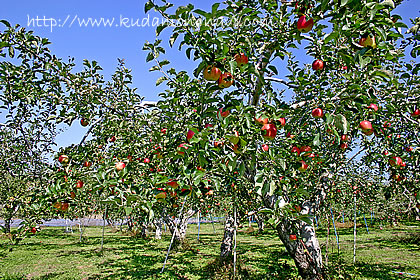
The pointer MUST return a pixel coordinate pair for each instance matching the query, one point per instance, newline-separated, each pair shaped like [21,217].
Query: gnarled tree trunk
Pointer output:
[227,243]
[178,227]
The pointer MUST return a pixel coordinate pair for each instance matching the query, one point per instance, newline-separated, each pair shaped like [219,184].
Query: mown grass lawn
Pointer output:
[53,254]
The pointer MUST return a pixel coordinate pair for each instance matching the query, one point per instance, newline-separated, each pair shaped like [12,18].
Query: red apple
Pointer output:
[262,121]
[368,42]
[344,146]
[212,73]
[223,114]
[345,138]
[120,166]
[33,230]
[64,206]
[305,149]
[282,122]
[146,160]
[190,134]
[84,122]
[374,107]
[270,131]
[163,130]
[318,65]
[207,125]
[366,127]
[72,195]
[265,147]
[63,159]
[225,80]
[173,184]
[241,59]
[218,144]
[416,113]
[182,148]
[395,161]
[79,184]
[292,237]
[409,149]
[303,25]
[112,139]
[317,113]
[303,166]
[87,164]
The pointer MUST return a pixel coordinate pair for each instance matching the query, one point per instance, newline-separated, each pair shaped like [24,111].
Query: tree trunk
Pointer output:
[158,225]
[178,227]
[260,223]
[143,232]
[7,223]
[227,243]
[305,251]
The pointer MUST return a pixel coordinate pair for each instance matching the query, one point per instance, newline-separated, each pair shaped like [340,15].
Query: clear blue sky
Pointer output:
[106,44]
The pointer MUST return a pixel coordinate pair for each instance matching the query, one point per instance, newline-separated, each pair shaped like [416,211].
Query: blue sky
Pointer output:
[106,44]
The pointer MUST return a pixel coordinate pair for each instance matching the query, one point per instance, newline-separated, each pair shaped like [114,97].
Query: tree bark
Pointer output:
[305,251]
[227,243]
[158,225]
[7,223]
[178,226]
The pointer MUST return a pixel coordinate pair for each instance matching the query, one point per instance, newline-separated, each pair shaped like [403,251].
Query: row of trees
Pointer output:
[227,138]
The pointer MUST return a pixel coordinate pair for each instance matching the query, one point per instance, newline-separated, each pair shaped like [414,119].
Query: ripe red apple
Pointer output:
[261,121]
[218,144]
[207,125]
[374,107]
[303,25]
[305,149]
[317,113]
[63,159]
[190,134]
[173,184]
[84,122]
[270,131]
[416,113]
[223,114]
[303,166]
[163,130]
[64,206]
[79,184]
[241,59]
[409,149]
[212,73]
[146,160]
[182,148]
[366,127]
[265,147]
[72,195]
[282,122]
[87,164]
[225,80]
[112,139]
[318,65]
[292,237]
[395,161]
[33,230]
[344,146]
[345,138]
[119,166]
[368,42]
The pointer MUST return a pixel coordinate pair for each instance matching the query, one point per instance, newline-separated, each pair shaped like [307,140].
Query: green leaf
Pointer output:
[173,38]
[282,163]
[148,6]
[150,57]
[341,123]
[161,80]
[128,210]
[273,188]
[154,68]
[317,141]
[329,37]
[11,51]
[5,22]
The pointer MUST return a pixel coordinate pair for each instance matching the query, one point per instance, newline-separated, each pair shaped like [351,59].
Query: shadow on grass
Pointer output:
[368,270]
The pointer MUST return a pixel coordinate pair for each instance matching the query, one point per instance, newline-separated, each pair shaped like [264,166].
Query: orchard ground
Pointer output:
[53,254]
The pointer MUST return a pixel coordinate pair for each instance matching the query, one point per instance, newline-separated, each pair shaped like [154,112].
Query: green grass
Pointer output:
[53,254]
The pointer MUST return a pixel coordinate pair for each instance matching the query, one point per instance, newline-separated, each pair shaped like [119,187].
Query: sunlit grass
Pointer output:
[53,254]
